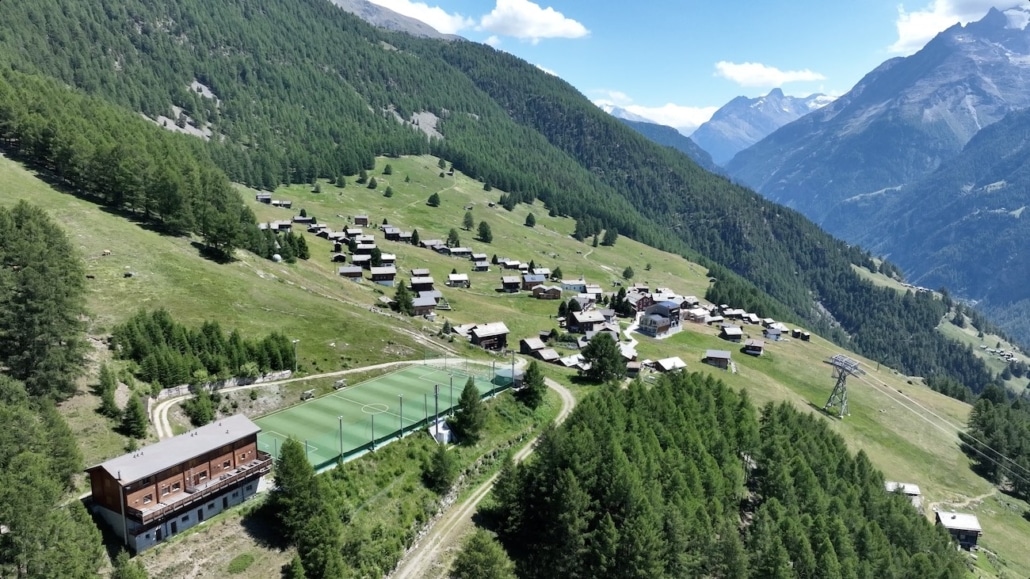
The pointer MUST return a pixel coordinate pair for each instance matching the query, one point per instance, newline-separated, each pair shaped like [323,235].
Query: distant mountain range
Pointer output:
[744,121]
[887,165]
[623,114]
[381,17]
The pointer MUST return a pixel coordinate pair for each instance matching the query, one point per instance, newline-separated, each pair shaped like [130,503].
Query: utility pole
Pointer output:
[451,412]
[843,367]
[400,397]
[295,355]
[436,412]
[340,418]
[373,417]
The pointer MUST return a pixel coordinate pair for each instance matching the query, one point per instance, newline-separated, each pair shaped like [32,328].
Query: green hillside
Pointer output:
[907,430]
[295,91]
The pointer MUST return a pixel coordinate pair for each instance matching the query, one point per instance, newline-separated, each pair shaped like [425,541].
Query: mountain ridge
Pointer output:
[744,121]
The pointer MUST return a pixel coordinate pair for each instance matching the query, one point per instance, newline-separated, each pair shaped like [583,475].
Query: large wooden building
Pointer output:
[165,488]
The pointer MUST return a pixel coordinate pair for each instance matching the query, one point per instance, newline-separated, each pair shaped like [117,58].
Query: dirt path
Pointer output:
[964,503]
[159,414]
[425,559]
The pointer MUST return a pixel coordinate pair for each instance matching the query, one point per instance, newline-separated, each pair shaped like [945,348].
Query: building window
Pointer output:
[227,464]
[148,499]
[250,487]
[185,518]
[236,493]
[164,490]
[176,486]
[202,475]
[210,506]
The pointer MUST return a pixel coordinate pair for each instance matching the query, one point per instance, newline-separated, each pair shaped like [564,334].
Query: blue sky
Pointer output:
[676,61]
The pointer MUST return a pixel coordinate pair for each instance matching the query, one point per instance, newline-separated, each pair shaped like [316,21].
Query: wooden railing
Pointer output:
[262,465]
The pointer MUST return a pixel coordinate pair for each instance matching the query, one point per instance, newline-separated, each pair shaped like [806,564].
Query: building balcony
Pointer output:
[204,490]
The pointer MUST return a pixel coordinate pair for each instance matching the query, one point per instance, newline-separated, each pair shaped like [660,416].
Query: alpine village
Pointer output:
[308,289]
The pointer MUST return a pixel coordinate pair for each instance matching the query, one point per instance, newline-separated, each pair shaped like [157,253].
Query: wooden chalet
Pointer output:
[529,345]
[530,281]
[352,232]
[547,292]
[422,283]
[391,233]
[511,284]
[303,219]
[584,321]
[458,280]
[361,259]
[361,220]
[964,528]
[549,355]
[388,258]
[670,364]
[163,489]
[420,272]
[481,266]
[384,275]
[265,198]
[423,306]
[350,271]
[493,336]
[731,333]
[717,358]
[754,347]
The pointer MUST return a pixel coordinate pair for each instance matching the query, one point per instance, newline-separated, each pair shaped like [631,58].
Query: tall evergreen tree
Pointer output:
[486,235]
[403,301]
[468,222]
[295,497]
[134,418]
[470,420]
[534,386]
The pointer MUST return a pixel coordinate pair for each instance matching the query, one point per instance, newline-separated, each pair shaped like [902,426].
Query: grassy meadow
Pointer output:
[907,430]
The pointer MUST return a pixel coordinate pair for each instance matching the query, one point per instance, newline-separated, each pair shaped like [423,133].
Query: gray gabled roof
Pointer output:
[163,455]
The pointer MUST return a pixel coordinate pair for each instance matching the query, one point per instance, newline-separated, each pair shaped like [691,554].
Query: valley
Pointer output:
[908,431]
[210,304]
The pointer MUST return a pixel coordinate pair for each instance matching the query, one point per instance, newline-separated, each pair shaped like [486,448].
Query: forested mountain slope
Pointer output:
[293,90]
[670,137]
[964,226]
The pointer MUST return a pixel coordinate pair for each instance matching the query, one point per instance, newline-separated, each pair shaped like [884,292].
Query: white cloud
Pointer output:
[762,75]
[434,16]
[681,117]
[526,20]
[918,27]
[493,40]
[547,70]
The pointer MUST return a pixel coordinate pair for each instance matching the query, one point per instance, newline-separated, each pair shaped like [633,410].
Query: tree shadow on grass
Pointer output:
[211,254]
[262,526]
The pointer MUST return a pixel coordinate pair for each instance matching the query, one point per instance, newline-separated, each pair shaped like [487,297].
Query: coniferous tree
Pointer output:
[402,300]
[452,238]
[377,257]
[388,169]
[485,234]
[362,177]
[468,222]
[610,236]
[108,386]
[482,557]
[388,192]
[434,200]
[440,471]
[556,274]
[563,309]
[372,183]
[534,386]
[134,418]
[295,569]
[627,273]
[605,359]
[530,220]
[294,499]
[414,237]
[470,420]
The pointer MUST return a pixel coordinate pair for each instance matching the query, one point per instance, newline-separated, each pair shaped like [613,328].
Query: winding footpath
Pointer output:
[424,556]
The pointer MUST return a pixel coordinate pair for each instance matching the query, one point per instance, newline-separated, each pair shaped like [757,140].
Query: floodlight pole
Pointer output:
[400,398]
[425,407]
[373,417]
[451,411]
[436,411]
[295,355]
[340,418]
[513,369]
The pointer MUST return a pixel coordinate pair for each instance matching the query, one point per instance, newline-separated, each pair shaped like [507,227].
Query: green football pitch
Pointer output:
[352,420]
